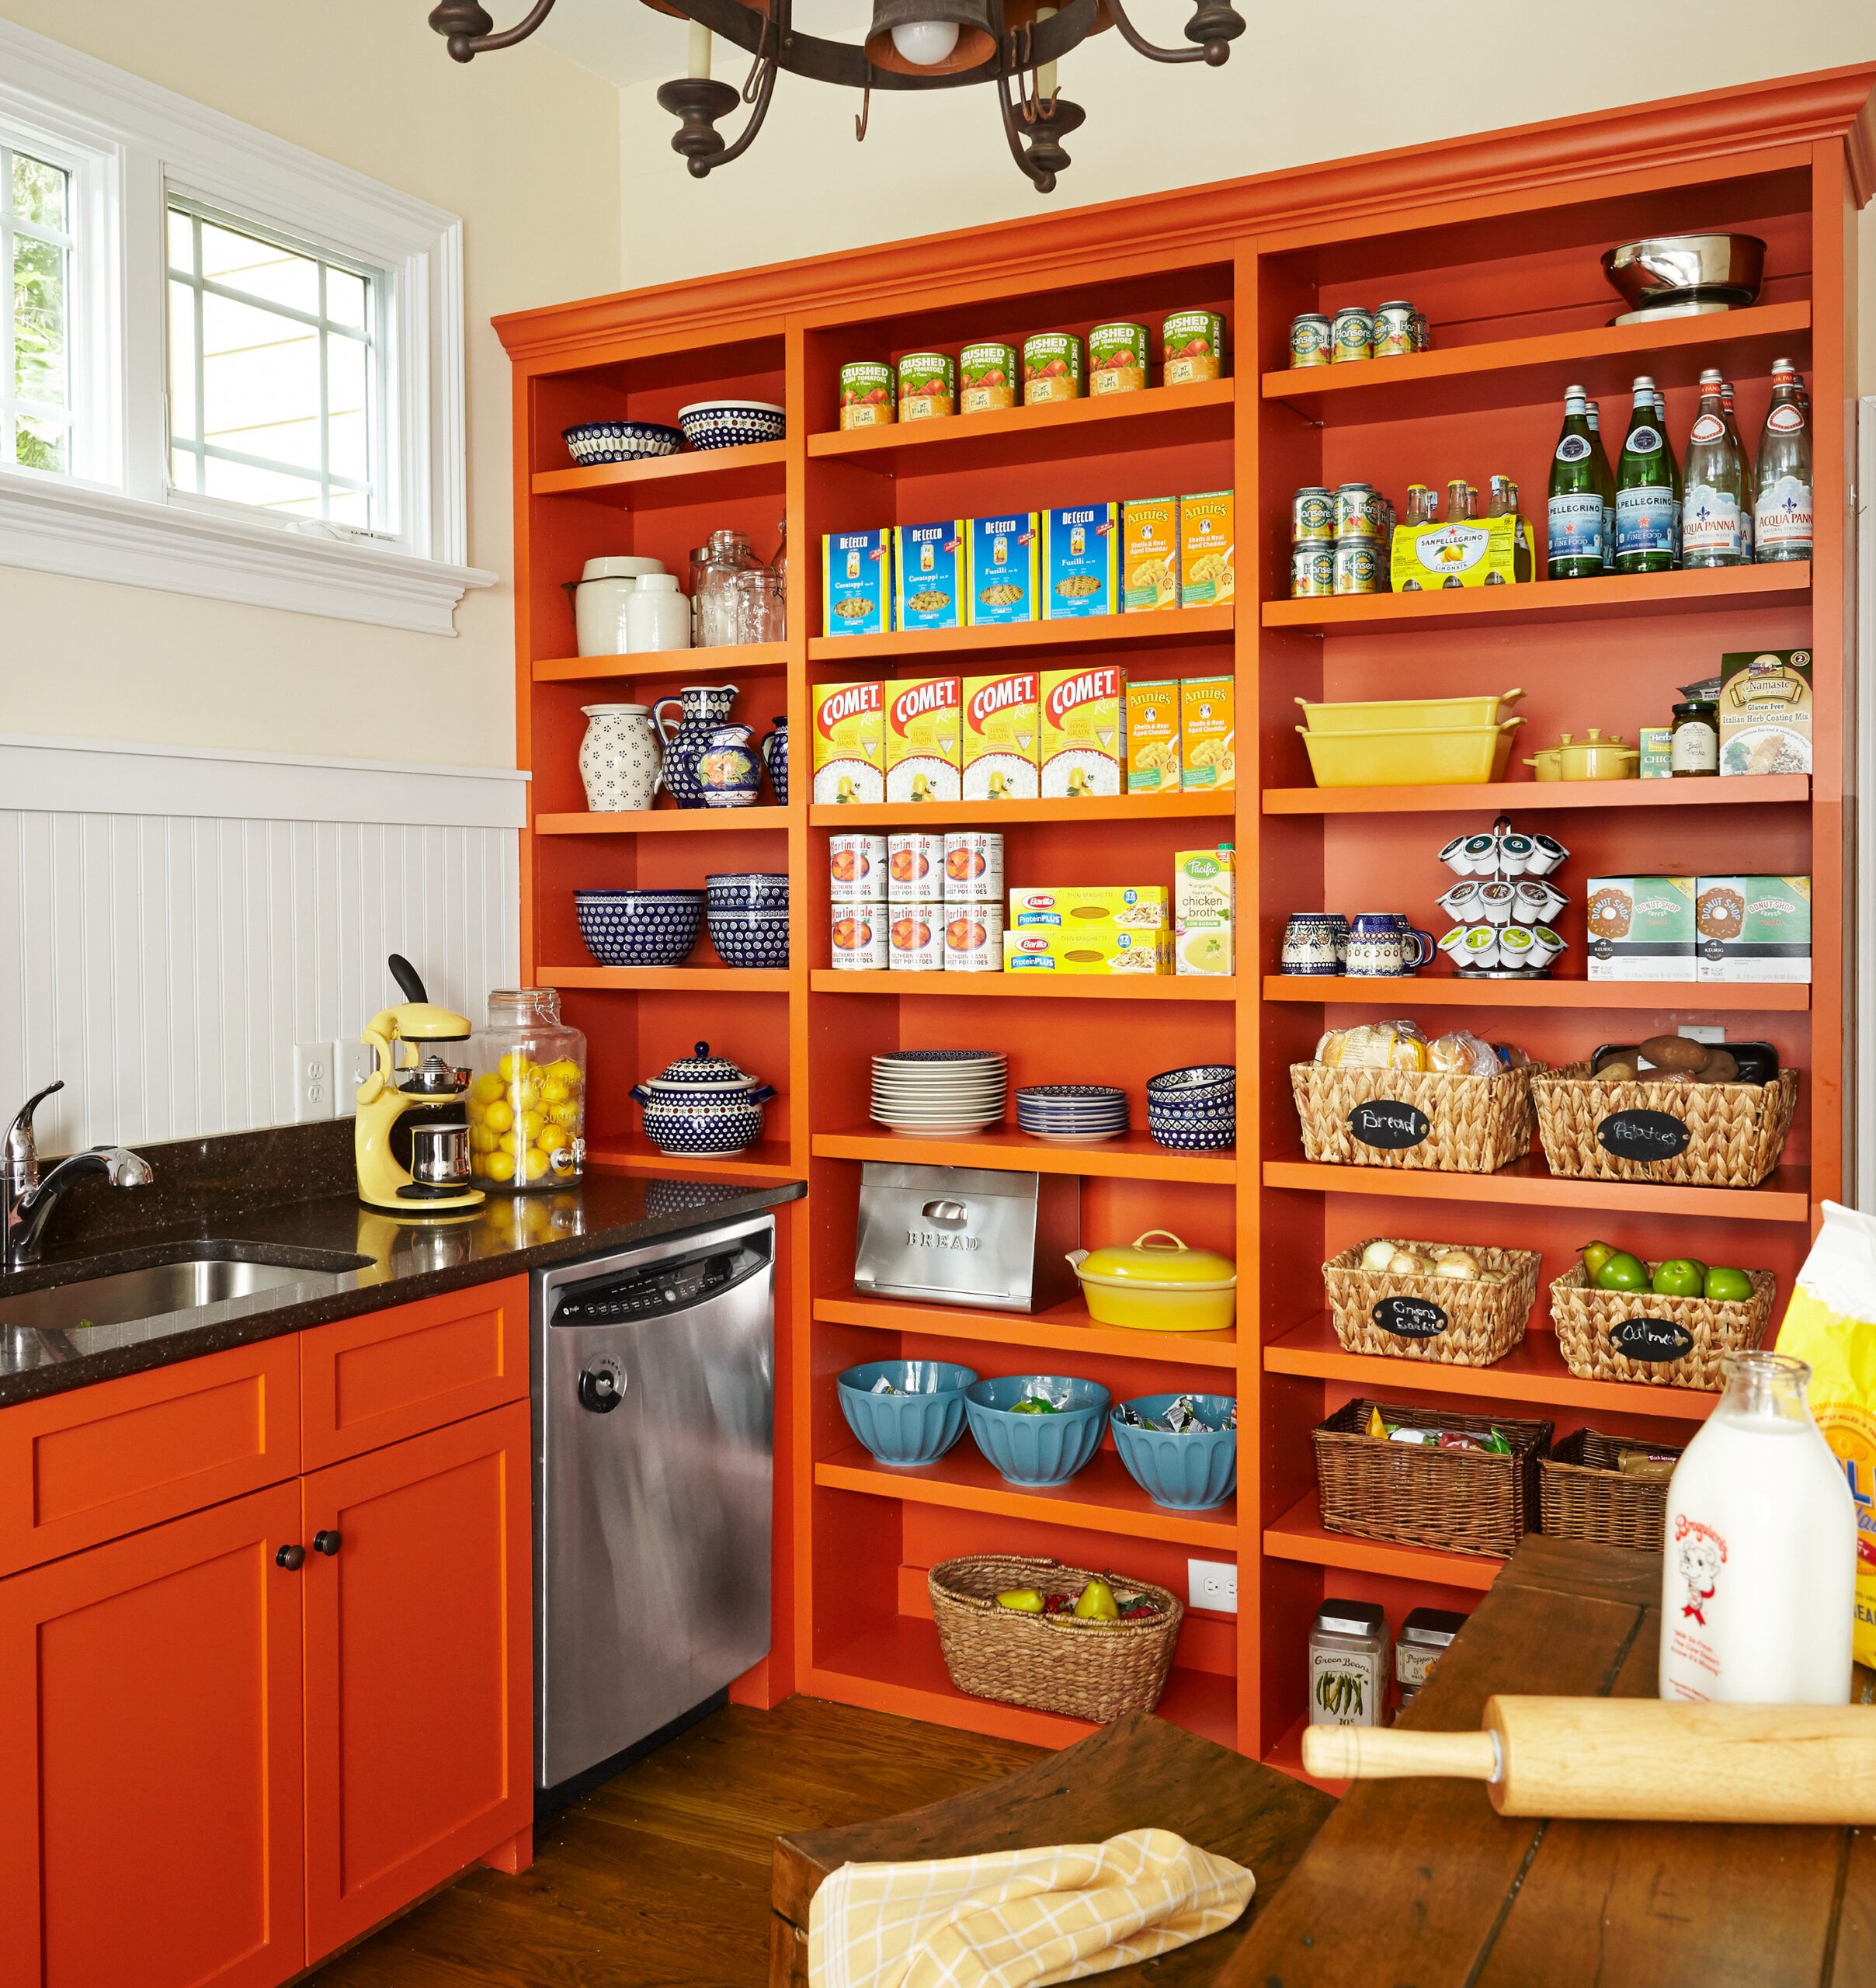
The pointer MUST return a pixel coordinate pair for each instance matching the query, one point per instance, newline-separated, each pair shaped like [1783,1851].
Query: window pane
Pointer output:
[41,442]
[273,489]
[182,243]
[260,382]
[345,298]
[40,191]
[348,424]
[185,469]
[39,321]
[259,268]
[183,414]
[350,507]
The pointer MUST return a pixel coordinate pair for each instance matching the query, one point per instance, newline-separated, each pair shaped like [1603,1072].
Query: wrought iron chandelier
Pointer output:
[912,45]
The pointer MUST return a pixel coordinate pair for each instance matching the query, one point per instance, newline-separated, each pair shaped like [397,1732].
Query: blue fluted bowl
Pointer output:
[620,441]
[749,938]
[748,890]
[732,424]
[1187,1473]
[1038,1449]
[918,1423]
[639,928]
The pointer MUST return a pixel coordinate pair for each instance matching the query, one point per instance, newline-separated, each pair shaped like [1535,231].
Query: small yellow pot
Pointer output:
[1160,1287]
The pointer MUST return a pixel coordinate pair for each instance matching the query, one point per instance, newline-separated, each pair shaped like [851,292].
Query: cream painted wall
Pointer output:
[524,147]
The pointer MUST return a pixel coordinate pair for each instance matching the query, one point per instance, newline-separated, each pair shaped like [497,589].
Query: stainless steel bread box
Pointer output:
[966,1235]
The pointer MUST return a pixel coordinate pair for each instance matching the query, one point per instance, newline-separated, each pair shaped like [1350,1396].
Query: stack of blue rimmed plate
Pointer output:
[1072,1113]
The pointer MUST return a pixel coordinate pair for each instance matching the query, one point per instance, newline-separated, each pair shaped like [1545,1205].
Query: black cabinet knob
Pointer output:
[327,1543]
[292,1558]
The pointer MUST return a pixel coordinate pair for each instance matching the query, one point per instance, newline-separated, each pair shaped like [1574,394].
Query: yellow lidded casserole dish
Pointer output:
[1160,1287]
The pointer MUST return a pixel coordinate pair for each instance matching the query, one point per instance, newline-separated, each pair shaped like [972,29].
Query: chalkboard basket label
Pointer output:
[1654,1342]
[1389,1123]
[1410,1318]
[1643,1136]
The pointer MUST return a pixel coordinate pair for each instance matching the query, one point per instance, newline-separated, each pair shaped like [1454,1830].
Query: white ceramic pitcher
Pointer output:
[619,758]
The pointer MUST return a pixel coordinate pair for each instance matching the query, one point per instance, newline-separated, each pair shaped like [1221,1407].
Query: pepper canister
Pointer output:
[619,758]
[703,1103]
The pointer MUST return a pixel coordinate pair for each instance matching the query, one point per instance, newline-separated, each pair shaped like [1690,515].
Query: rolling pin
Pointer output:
[1633,1759]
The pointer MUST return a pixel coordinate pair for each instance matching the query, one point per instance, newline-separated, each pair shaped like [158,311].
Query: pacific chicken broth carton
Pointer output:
[1205,908]
[1084,733]
[849,743]
[923,743]
[1001,731]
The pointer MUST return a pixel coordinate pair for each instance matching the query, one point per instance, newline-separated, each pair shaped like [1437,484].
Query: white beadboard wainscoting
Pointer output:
[173,921]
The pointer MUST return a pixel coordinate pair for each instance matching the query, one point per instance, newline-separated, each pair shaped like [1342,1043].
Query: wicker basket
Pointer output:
[1452,1123]
[1585,1496]
[1590,1326]
[1462,1501]
[1093,1670]
[1729,1135]
[1456,1321]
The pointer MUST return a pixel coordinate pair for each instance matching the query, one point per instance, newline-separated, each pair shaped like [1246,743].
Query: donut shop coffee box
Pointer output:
[856,582]
[1765,711]
[1081,562]
[1084,733]
[924,741]
[1205,910]
[1001,729]
[849,744]
[1004,564]
[1141,906]
[1152,737]
[1640,928]
[1753,928]
[928,576]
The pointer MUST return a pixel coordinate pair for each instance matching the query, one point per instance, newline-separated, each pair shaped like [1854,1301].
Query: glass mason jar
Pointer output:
[717,611]
[527,1100]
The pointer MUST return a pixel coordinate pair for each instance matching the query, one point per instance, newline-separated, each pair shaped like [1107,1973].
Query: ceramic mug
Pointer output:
[1382,945]
[1314,942]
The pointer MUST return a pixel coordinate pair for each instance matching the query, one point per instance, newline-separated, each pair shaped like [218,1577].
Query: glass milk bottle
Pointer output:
[1758,1594]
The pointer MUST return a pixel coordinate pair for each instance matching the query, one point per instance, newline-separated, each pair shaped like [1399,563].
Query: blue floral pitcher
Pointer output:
[703,711]
[729,773]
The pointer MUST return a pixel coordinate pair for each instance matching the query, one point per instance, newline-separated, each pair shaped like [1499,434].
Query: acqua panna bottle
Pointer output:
[1758,1585]
[1782,510]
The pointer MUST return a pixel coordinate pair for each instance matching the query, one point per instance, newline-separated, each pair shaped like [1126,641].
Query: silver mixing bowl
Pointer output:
[1669,269]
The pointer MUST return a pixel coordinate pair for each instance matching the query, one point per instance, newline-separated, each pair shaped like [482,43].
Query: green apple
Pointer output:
[1679,1276]
[1622,1272]
[1727,1284]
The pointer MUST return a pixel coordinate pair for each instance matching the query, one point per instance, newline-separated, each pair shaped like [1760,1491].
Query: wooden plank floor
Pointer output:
[660,1879]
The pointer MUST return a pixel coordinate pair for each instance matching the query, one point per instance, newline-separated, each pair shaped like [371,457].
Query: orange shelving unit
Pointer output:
[1496,238]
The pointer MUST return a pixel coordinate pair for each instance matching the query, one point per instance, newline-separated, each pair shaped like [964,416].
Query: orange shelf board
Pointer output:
[1206,402]
[1132,1156]
[739,659]
[1449,991]
[1550,600]
[1532,1371]
[1061,1329]
[1514,371]
[691,467]
[661,821]
[1061,986]
[1090,631]
[976,813]
[1299,1534]
[768,1159]
[1530,1184]
[669,979]
[1544,795]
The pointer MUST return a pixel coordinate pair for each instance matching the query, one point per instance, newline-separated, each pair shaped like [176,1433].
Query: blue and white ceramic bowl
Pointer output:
[1188,1472]
[1196,1081]
[639,928]
[919,1420]
[1038,1449]
[732,424]
[749,938]
[747,890]
[1212,1131]
[620,441]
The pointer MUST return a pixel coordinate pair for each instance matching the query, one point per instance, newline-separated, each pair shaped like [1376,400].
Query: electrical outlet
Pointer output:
[353,1061]
[1703,1031]
[1212,1584]
[314,1092]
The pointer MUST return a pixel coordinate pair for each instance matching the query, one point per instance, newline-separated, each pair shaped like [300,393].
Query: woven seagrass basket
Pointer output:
[1464,1501]
[1585,1496]
[1091,1671]
[1729,1135]
[1431,1118]
[1458,1322]
[1592,1327]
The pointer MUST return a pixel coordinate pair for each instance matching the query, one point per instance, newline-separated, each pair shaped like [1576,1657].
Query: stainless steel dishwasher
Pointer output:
[654,1376]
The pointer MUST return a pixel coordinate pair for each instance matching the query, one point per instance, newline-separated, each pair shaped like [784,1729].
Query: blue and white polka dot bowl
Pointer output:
[639,928]
[732,424]
[591,442]
[749,938]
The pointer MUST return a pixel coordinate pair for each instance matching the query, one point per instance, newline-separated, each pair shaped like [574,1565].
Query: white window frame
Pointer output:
[117,518]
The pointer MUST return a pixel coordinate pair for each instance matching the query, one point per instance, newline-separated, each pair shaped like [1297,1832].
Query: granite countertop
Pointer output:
[350,1259]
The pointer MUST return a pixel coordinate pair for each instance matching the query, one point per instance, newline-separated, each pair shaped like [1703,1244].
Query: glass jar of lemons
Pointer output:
[527,1100]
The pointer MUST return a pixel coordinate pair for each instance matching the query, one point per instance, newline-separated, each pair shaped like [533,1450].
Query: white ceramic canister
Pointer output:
[859,936]
[974,866]
[619,758]
[973,936]
[915,868]
[915,937]
[657,615]
[857,869]
[599,599]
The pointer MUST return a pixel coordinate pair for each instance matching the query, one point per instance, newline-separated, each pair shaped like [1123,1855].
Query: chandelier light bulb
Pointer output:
[925,43]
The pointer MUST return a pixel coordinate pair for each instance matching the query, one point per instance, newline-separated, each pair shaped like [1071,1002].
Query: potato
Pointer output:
[1722,1068]
[1676,1052]
[1616,1073]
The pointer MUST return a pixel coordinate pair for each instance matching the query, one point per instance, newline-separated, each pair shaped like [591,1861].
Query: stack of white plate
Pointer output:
[1070,1114]
[939,1093]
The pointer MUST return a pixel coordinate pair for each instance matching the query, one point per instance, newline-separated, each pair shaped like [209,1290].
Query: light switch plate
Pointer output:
[1213,1584]
[315,1091]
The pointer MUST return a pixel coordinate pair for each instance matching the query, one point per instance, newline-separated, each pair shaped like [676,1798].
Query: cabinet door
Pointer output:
[418,1708]
[151,1820]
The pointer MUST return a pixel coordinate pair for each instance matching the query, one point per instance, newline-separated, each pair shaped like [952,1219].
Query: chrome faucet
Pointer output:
[29,1197]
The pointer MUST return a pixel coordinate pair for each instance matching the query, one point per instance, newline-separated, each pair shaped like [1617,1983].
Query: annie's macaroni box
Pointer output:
[1205,908]
[924,746]
[1640,928]
[856,582]
[1753,928]
[1091,948]
[1081,562]
[1004,564]
[1152,737]
[1207,549]
[1207,730]
[1084,731]
[849,743]
[928,576]
[1149,555]
[1002,730]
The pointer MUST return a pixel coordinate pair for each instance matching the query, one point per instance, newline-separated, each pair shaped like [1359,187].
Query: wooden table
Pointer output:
[1421,1882]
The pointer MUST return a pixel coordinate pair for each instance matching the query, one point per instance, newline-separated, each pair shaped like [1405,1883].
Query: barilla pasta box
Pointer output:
[1081,562]
[1001,734]
[1149,555]
[1140,906]
[927,575]
[856,582]
[924,746]
[1091,948]
[1084,733]
[849,743]
[1207,735]
[1152,737]
[1207,549]
[1004,565]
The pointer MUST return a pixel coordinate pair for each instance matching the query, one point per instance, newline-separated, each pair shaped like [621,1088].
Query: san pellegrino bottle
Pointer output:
[1746,464]
[1576,550]
[1644,491]
[1781,504]
[1605,477]
[1712,532]
[1661,422]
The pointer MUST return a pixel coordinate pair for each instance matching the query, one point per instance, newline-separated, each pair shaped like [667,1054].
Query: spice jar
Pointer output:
[1693,749]
[1348,1664]
[1424,1638]
[526,1102]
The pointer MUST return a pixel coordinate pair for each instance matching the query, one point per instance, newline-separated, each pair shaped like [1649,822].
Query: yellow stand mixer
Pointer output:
[405,1080]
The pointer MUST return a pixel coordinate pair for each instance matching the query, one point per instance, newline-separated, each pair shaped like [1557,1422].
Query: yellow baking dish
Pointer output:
[1454,755]
[1160,1287]
[1416,714]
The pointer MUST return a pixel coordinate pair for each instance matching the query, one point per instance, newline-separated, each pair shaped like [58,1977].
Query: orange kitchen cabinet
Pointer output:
[418,1595]
[150,1789]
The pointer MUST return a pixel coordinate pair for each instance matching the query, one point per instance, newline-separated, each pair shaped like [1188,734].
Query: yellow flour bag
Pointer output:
[1831,1325]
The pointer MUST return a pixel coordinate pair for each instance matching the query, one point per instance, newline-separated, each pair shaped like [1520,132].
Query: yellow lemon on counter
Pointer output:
[478,1165]
[514,1063]
[499,1116]
[501,1165]
[485,1090]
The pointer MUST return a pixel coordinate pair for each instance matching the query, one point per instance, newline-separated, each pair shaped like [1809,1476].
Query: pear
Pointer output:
[1026,1601]
[1097,1603]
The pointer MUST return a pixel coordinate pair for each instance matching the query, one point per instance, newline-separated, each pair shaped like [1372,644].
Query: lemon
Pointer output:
[485,1090]
[530,1124]
[478,1164]
[481,1139]
[501,1167]
[553,1138]
[499,1116]
[537,1162]
[525,1093]
[567,1071]
[473,1111]
[567,1114]
[508,1143]
[514,1063]
[553,1090]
